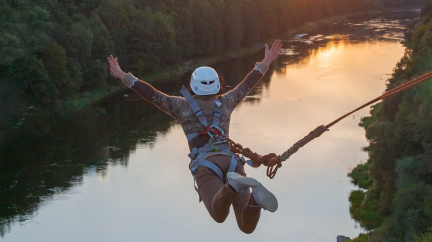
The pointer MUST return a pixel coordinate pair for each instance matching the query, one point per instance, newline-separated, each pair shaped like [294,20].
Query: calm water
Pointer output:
[118,171]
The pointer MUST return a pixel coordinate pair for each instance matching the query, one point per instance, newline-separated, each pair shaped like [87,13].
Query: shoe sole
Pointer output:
[264,198]
[244,180]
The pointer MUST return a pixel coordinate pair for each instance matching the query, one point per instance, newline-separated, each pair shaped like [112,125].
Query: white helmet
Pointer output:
[205,81]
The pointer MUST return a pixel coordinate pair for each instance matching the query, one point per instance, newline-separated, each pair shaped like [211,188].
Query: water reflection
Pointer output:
[42,155]
[389,27]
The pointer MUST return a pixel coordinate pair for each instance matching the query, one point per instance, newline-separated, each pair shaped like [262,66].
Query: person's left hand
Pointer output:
[273,53]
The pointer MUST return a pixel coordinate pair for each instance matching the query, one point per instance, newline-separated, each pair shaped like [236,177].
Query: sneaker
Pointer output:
[241,183]
[264,198]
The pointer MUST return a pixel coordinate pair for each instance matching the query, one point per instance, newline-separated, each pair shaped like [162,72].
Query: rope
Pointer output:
[274,162]
[387,94]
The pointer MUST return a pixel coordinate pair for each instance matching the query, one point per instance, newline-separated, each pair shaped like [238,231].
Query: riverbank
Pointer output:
[176,71]
[109,153]
[311,26]
[393,199]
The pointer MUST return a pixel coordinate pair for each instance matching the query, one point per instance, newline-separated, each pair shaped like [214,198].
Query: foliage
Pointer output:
[364,208]
[400,150]
[60,47]
[423,238]
[360,176]
[361,238]
[54,52]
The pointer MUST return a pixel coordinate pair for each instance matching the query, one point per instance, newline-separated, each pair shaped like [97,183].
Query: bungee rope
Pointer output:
[274,162]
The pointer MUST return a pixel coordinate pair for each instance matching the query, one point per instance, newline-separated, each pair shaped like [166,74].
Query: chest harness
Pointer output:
[217,142]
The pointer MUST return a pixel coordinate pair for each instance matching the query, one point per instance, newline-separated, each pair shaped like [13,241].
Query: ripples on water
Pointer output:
[118,171]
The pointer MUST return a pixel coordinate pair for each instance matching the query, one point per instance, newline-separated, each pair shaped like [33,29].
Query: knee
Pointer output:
[248,230]
[219,218]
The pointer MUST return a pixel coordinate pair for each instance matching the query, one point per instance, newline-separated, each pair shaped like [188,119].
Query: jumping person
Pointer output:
[205,117]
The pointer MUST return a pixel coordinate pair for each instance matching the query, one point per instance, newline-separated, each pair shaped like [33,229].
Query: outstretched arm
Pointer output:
[144,89]
[241,90]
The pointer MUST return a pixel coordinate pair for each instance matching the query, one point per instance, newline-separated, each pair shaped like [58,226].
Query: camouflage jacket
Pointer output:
[180,109]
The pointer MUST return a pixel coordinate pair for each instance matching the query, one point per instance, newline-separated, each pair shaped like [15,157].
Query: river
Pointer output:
[118,171]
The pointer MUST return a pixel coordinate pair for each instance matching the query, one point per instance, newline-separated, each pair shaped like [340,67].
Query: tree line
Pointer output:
[55,50]
[395,199]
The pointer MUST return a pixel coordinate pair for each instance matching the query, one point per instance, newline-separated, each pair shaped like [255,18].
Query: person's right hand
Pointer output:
[115,69]
[273,53]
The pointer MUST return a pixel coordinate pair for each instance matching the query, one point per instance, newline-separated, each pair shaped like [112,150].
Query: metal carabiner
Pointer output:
[217,138]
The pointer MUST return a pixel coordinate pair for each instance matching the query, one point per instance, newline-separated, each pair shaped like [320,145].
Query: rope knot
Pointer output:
[273,163]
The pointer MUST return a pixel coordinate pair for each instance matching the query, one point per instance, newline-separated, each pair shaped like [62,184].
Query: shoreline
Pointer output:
[175,71]
[189,65]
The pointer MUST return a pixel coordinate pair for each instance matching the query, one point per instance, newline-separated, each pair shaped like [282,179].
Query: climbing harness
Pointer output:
[217,143]
[274,162]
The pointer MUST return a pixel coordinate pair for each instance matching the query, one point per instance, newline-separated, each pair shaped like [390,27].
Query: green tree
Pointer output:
[252,31]
[400,150]
[39,85]
[103,44]
[233,25]
[55,62]
[80,43]
[184,36]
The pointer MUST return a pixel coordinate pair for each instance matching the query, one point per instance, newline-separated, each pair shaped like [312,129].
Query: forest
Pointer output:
[394,201]
[55,51]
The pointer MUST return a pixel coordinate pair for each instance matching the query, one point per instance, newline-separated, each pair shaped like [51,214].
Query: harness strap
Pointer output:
[200,161]
[212,167]
[207,148]
[233,164]
[203,162]
[199,155]
[194,105]
[192,136]
[217,112]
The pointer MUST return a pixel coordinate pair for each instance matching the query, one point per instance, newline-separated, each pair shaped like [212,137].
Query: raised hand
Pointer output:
[115,69]
[273,53]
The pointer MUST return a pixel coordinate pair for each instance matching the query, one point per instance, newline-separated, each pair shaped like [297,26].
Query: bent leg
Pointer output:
[246,210]
[217,196]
